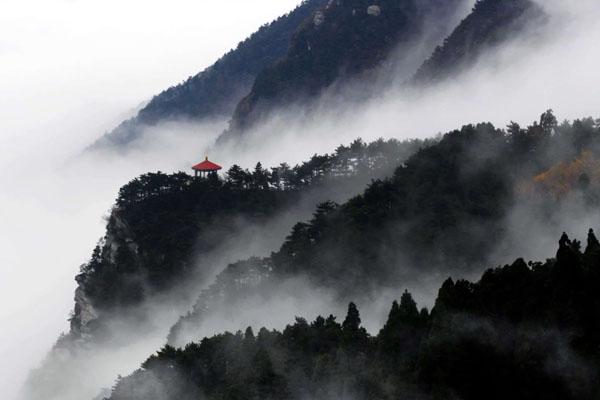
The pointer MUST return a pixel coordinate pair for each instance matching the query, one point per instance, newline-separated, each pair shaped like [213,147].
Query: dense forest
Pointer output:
[215,91]
[441,210]
[524,331]
[162,224]
[444,209]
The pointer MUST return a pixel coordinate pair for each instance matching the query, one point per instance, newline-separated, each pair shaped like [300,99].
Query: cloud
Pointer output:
[68,72]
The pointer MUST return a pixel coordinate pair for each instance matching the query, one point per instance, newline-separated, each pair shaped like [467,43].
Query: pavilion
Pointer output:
[205,168]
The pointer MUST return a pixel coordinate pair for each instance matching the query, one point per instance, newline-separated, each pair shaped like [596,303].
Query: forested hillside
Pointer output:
[163,228]
[341,41]
[215,91]
[490,24]
[445,209]
[524,331]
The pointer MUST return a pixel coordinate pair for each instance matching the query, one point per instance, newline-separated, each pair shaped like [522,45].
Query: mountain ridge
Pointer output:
[489,25]
[214,92]
[296,57]
[345,39]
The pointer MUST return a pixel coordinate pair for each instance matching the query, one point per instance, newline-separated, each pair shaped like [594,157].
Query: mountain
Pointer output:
[169,231]
[447,209]
[214,92]
[331,45]
[490,24]
[351,39]
[346,39]
[168,235]
[523,331]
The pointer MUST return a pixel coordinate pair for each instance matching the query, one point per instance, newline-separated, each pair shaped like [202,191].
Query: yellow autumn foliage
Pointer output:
[564,177]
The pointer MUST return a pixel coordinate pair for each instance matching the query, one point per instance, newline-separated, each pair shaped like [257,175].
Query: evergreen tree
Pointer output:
[249,334]
[236,176]
[548,122]
[352,321]
[260,177]
[354,336]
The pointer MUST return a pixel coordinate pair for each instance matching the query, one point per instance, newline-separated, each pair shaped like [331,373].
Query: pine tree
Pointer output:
[408,307]
[352,321]
[354,336]
[400,337]
[237,176]
[548,122]
[592,242]
[260,177]
[249,334]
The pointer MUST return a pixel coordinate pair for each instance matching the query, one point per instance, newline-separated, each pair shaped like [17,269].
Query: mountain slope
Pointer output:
[490,24]
[441,212]
[347,38]
[170,231]
[215,91]
[166,238]
[524,331]
[446,210]
[322,43]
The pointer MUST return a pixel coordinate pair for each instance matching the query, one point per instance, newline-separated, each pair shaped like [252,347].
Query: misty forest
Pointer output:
[416,257]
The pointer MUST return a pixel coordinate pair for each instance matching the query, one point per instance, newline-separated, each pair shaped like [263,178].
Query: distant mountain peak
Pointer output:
[214,92]
[344,39]
[490,24]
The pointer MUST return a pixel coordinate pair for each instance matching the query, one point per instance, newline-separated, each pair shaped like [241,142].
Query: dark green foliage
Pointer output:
[215,91]
[521,332]
[444,209]
[162,223]
[492,22]
[444,206]
[505,336]
[400,338]
[354,337]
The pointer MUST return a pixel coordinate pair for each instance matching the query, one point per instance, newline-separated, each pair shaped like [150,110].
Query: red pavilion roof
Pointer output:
[206,166]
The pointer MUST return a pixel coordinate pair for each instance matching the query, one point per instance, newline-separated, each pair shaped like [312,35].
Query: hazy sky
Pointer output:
[69,70]
[86,58]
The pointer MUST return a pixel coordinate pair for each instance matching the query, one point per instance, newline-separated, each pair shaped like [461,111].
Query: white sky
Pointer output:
[69,70]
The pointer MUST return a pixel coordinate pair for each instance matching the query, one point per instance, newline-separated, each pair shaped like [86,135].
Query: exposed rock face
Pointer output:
[374,10]
[118,235]
[83,313]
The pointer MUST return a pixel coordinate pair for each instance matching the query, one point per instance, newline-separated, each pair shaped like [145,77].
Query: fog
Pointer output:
[70,70]
[553,68]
